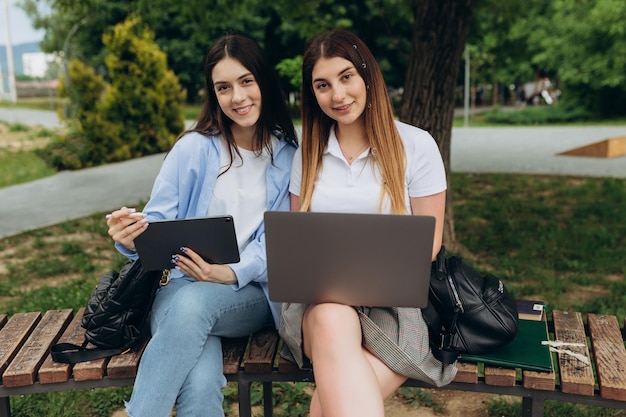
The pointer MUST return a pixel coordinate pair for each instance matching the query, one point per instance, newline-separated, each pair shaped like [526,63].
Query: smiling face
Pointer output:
[339,90]
[237,92]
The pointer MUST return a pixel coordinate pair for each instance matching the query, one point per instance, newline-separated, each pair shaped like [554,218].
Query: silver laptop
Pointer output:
[354,259]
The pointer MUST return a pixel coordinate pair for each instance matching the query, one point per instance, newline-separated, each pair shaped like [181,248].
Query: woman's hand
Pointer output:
[193,265]
[125,225]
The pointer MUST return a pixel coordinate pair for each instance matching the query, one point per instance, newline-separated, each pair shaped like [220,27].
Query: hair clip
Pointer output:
[369,105]
[354,46]
[364,65]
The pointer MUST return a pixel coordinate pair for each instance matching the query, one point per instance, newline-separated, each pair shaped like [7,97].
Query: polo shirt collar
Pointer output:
[333,147]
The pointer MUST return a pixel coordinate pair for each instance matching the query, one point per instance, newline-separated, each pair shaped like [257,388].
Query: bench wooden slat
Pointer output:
[53,372]
[125,365]
[576,376]
[543,381]
[467,373]
[260,357]
[608,349]
[286,366]
[14,334]
[232,353]
[23,369]
[90,370]
[501,377]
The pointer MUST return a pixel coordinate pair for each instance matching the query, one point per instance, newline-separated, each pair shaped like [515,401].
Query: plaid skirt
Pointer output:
[397,336]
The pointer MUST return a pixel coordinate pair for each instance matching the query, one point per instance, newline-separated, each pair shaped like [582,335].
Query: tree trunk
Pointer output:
[440,32]
[495,94]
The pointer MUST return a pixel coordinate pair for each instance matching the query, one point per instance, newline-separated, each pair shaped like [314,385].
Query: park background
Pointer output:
[557,238]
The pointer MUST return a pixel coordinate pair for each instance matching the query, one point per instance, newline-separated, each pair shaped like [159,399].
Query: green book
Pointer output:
[525,351]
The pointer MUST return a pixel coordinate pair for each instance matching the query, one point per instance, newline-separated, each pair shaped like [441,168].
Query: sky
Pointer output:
[21,28]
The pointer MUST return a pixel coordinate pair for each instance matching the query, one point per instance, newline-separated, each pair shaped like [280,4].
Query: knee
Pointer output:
[330,322]
[189,306]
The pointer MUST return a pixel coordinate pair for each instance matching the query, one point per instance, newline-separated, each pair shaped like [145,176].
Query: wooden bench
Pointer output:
[26,366]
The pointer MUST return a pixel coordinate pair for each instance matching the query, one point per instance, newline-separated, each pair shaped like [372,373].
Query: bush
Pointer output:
[145,98]
[538,115]
[139,113]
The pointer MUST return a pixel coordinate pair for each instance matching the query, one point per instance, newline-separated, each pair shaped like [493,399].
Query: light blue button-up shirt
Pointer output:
[184,188]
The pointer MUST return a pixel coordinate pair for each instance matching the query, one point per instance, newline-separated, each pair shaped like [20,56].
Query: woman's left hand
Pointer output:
[197,268]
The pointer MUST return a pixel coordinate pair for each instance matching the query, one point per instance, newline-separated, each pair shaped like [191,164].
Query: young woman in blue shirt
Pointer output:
[235,160]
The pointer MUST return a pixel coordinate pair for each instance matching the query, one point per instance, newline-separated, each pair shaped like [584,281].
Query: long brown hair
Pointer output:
[386,147]
[274,117]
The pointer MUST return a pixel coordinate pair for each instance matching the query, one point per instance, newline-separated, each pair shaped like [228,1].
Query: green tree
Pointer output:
[581,45]
[76,27]
[291,68]
[498,56]
[143,97]
[186,30]
[91,139]
[138,113]
[384,25]
[585,44]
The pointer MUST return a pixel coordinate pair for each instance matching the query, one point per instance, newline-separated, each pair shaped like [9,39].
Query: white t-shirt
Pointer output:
[356,188]
[242,190]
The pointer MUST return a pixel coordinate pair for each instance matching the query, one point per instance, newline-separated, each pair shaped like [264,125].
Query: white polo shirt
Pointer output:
[356,188]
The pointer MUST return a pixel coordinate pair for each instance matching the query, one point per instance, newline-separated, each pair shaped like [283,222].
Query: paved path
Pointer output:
[30,117]
[74,194]
[534,150]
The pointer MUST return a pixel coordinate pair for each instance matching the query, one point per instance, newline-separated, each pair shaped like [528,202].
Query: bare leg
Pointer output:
[350,380]
[388,381]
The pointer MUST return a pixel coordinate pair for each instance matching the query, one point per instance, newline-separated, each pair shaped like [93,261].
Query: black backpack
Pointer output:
[467,312]
[115,315]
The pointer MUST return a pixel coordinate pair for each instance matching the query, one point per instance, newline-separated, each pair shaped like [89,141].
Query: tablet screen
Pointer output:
[213,238]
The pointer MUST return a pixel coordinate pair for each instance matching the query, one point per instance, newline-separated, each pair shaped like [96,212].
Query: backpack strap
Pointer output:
[71,353]
[440,338]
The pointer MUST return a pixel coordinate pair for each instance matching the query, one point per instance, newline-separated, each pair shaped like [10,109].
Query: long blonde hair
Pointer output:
[386,147]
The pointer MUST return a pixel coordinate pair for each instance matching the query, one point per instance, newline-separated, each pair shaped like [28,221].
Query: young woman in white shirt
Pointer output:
[355,157]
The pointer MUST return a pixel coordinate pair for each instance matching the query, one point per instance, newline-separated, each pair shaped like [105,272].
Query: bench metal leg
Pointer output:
[5,407]
[532,407]
[245,405]
[268,400]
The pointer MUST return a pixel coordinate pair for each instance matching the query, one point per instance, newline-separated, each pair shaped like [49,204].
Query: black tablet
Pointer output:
[213,238]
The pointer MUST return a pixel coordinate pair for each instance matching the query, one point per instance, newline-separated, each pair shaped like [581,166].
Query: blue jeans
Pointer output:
[182,364]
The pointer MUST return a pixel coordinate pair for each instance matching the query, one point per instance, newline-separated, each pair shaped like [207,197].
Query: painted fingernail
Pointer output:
[183,249]
[108,216]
